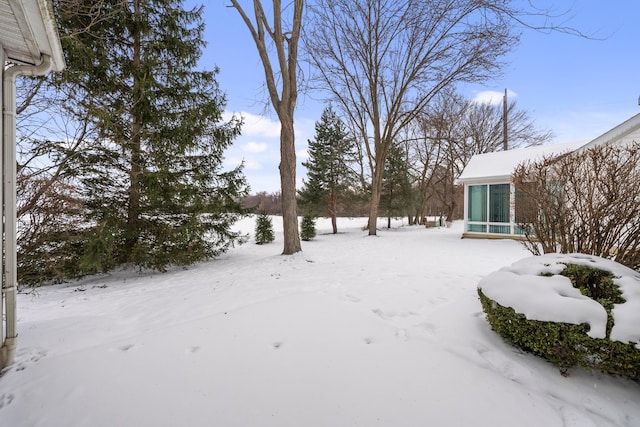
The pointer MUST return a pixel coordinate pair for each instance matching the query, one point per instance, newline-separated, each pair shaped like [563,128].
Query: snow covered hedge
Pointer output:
[571,309]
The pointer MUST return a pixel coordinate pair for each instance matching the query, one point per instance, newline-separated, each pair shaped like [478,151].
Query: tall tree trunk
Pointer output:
[376,186]
[288,186]
[333,209]
[423,208]
[389,208]
[450,211]
[285,44]
[133,213]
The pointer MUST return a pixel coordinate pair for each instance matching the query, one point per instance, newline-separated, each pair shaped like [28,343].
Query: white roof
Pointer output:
[28,31]
[501,164]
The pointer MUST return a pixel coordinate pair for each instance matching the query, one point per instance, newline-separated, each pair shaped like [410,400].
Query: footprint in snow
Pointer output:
[379,313]
[429,328]
[126,347]
[352,298]
[498,362]
[6,399]
[572,417]
[28,356]
[402,334]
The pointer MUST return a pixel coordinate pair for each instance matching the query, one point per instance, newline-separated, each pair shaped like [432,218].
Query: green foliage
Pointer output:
[565,344]
[328,168]
[307,228]
[594,283]
[151,182]
[50,262]
[397,195]
[264,229]
[49,229]
[597,285]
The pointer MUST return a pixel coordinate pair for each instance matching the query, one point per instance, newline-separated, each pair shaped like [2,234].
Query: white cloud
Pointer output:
[492,96]
[255,147]
[256,126]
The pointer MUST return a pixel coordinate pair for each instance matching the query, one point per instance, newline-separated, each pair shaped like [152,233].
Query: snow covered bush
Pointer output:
[264,229]
[307,228]
[571,309]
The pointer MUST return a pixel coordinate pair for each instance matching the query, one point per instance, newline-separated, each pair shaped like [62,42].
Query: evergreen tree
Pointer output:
[264,229]
[329,174]
[307,228]
[397,194]
[152,182]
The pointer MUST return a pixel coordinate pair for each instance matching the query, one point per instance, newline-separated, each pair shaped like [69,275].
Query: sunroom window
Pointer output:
[478,203]
[499,203]
[488,208]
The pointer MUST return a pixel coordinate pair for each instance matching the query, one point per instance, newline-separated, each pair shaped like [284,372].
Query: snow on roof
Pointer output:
[523,287]
[501,164]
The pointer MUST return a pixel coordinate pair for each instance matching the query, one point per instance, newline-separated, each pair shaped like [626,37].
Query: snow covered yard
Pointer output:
[354,331]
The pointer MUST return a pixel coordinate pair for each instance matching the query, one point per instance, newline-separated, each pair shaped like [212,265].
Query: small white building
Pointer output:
[489,193]
[29,45]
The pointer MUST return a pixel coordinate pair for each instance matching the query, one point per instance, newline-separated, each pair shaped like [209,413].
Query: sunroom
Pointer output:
[490,208]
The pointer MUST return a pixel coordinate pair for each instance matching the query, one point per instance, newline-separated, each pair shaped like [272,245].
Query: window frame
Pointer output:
[496,216]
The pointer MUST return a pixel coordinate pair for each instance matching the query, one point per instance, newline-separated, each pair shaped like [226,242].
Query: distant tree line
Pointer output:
[423,163]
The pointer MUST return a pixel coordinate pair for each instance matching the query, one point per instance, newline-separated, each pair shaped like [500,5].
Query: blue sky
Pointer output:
[578,88]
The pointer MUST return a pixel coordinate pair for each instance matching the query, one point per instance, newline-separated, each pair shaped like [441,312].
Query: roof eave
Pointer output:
[486,179]
[37,27]
[51,28]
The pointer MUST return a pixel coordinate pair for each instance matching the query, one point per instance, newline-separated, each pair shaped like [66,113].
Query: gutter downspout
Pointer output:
[10,270]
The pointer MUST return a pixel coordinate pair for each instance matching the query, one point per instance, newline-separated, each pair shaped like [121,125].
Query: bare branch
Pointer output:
[585,202]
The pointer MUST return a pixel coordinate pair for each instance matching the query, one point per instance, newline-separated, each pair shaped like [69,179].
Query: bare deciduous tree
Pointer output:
[383,61]
[438,136]
[483,123]
[584,202]
[449,132]
[48,206]
[283,92]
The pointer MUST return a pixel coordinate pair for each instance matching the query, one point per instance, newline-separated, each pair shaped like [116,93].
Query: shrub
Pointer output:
[264,229]
[583,202]
[307,228]
[566,344]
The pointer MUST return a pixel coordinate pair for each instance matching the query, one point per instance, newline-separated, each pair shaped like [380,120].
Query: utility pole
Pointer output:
[505,141]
